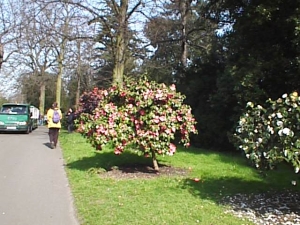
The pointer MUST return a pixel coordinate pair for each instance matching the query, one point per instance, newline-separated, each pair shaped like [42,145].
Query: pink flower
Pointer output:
[117,152]
[172,149]
[168,131]
[156,119]
[173,87]
[179,118]
[159,94]
[162,118]
[105,93]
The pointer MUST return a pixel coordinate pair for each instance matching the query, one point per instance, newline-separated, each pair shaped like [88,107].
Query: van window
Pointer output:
[14,109]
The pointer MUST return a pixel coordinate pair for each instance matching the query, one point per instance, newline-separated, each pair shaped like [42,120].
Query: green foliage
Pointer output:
[271,134]
[143,113]
[210,93]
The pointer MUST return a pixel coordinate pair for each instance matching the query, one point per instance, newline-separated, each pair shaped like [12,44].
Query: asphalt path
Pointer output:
[34,188]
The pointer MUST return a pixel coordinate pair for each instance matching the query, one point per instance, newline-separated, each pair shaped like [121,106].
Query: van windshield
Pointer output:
[13,109]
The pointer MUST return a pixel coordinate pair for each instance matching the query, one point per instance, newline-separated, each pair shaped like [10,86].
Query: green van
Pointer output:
[18,118]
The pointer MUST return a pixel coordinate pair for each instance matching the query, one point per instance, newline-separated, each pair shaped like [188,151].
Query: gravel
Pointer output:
[267,208]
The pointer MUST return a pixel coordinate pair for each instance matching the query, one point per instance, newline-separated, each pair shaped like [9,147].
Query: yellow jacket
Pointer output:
[49,119]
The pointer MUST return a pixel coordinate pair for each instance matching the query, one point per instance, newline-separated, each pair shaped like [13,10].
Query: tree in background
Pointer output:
[179,34]
[113,20]
[10,28]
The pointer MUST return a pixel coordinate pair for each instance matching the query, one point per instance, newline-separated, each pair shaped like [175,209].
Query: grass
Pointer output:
[163,200]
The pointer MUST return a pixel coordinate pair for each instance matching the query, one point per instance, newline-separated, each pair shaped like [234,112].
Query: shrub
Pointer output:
[146,114]
[269,135]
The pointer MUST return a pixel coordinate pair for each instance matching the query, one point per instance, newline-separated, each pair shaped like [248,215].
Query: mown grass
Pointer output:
[162,200]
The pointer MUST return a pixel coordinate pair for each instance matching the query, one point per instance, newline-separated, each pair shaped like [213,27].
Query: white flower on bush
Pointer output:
[250,104]
[266,155]
[239,130]
[270,129]
[287,131]
[242,121]
[279,123]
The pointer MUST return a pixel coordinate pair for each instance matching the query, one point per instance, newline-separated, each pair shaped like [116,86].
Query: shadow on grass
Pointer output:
[109,161]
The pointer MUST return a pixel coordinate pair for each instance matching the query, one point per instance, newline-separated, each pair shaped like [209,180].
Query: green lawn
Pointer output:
[162,200]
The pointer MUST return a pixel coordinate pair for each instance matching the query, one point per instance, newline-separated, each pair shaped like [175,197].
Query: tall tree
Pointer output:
[36,51]
[113,21]
[179,34]
[263,47]
[10,28]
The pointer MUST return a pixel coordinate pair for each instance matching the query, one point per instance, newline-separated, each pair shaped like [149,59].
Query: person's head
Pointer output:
[54,105]
[70,110]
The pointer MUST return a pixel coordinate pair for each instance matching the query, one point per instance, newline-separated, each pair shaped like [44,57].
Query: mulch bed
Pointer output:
[142,171]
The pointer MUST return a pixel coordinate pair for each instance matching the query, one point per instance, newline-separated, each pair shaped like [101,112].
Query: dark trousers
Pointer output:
[53,135]
[70,127]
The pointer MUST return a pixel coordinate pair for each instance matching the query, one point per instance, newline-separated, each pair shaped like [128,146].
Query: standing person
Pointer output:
[54,116]
[70,120]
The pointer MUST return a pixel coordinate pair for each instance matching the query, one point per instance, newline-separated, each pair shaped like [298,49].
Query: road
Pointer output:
[34,188]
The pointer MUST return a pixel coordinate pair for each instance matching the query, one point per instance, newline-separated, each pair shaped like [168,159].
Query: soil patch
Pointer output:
[142,172]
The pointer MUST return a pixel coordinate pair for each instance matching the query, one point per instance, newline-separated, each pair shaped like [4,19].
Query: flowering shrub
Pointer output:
[89,101]
[270,135]
[143,113]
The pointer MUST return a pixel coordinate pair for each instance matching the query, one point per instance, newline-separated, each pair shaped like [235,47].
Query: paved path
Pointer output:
[34,188]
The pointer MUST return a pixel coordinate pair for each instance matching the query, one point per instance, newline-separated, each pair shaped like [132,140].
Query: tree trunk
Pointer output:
[77,92]
[120,47]
[154,160]
[184,8]
[60,59]
[42,98]
[58,83]
[78,72]
[1,54]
